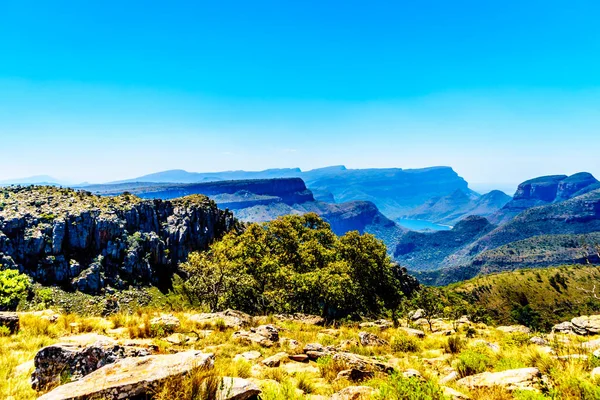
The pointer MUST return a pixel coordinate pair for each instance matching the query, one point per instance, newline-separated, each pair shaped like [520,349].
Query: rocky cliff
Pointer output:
[545,190]
[86,242]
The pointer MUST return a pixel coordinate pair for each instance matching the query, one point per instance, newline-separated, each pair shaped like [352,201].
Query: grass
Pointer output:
[567,379]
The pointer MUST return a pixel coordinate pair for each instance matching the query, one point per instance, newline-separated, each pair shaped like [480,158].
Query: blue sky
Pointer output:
[98,91]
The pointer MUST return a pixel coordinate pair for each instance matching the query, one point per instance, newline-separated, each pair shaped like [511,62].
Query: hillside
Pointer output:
[422,251]
[266,199]
[86,242]
[552,295]
[450,209]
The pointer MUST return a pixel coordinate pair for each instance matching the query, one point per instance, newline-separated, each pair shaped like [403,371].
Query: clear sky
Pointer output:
[500,90]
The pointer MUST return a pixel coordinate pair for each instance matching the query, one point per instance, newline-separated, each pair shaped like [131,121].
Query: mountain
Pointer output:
[394,191]
[545,190]
[34,180]
[266,199]
[181,176]
[450,209]
[552,234]
[86,242]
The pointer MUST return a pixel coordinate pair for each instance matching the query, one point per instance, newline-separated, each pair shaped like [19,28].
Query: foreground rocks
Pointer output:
[584,325]
[78,357]
[264,335]
[514,379]
[229,318]
[132,377]
[10,320]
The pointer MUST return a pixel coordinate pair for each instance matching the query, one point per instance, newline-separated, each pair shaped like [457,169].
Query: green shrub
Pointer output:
[454,345]
[397,387]
[471,362]
[405,343]
[13,287]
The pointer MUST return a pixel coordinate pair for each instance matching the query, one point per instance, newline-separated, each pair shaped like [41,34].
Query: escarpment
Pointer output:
[81,241]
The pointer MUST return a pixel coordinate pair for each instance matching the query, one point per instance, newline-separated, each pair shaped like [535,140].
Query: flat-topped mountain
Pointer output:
[545,190]
[87,242]
[266,199]
[450,209]
[394,191]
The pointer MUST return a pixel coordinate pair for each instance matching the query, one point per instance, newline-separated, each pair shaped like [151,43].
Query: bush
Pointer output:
[396,387]
[294,264]
[454,345]
[13,287]
[405,343]
[471,362]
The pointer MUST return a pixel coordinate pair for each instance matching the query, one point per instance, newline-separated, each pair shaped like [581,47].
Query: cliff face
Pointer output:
[86,242]
[545,190]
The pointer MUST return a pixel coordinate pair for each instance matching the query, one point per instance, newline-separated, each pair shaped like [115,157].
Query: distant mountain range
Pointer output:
[34,180]
[558,222]
[261,200]
[451,209]
[395,191]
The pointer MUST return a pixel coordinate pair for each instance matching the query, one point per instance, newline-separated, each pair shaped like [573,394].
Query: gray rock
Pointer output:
[264,335]
[138,377]
[168,323]
[230,318]
[74,360]
[237,389]
[353,393]
[514,379]
[10,320]
[303,318]
[369,339]
[275,360]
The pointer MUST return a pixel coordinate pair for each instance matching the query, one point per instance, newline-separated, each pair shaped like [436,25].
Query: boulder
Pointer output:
[78,358]
[275,360]
[354,393]
[451,377]
[355,375]
[586,325]
[380,323]
[166,323]
[417,314]
[264,335]
[302,318]
[514,329]
[248,356]
[133,377]
[595,373]
[563,327]
[412,332]
[231,318]
[299,357]
[10,320]
[369,339]
[412,373]
[539,341]
[317,350]
[237,389]
[362,363]
[514,379]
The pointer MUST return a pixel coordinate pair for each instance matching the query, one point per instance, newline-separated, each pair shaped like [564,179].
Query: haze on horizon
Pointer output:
[109,91]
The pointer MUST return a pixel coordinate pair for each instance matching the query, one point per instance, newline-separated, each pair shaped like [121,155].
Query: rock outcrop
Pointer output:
[132,377]
[77,358]
[86,242]
[514,379]
[583,325]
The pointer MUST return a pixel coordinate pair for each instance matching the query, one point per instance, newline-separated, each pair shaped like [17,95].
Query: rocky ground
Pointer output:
[168,356]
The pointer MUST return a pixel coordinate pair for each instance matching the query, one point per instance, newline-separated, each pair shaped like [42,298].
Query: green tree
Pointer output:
[295,264]
[13,286]
[431,301]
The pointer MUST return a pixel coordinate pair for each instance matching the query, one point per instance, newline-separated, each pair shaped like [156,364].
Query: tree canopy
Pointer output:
[295,264]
